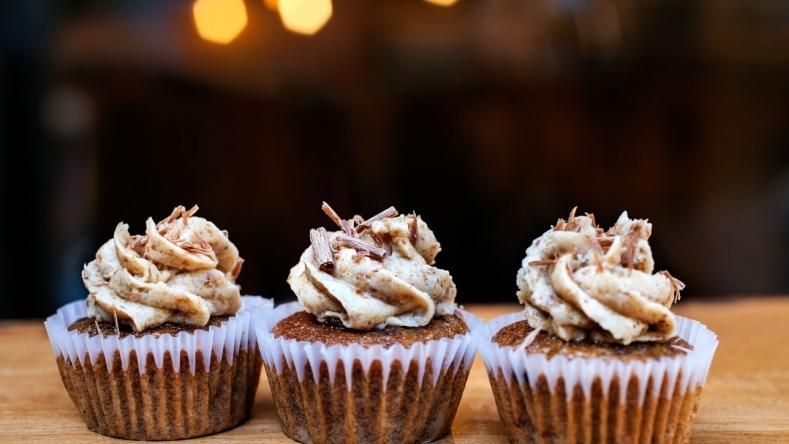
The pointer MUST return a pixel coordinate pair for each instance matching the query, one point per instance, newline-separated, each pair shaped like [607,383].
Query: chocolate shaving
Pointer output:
[322,249]
[117,326]
[236,269]
[572,222]
[631,242]
[374,236]
[361,246]
[198,246]
[591,217]
[597,254]
[179,211]
[605,241]
[357,221]
[541,263]
[529,339]
[598,263]
[413,229]
[137,243]
[389,212]
[676,284]
[186,215]
[344,225]
[173,216]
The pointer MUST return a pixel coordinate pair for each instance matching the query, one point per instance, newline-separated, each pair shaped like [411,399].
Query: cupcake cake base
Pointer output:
[166,384]
[162,403]
[558,392]
[334,385]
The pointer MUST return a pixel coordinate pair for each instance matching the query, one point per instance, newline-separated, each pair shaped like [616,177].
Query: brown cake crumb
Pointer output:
[91,326]
[514,334]
[303,326]
[151,402]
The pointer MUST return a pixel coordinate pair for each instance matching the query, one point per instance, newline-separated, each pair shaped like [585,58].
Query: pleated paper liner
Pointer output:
[160,386]
[591,400]
[353,394]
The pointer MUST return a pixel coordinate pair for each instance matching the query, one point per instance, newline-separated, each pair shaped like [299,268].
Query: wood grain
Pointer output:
[746,398]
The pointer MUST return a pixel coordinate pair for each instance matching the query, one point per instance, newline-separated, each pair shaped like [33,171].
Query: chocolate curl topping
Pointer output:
[630,244]
[568,225]
[676,284]
[179,211]
[542,263]
[389,212]
[376,238]
[413,229]
[322,249]
[344,225]
[605,241]
[361,246]
[597,254]
[236,269]
[137,243]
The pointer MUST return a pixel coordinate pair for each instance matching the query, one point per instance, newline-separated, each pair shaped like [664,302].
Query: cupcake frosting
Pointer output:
[580,282]
[183,270]
[374,273]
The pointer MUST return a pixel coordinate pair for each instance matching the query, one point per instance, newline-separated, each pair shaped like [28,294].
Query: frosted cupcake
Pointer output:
[597,355]
[376,349]
[162,348]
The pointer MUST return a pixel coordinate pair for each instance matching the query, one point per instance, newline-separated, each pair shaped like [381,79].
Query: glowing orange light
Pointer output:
[304,16]
[272,4]
[219,21]
[442,2]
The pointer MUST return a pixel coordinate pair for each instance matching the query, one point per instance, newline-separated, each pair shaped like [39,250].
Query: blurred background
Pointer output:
[491,118]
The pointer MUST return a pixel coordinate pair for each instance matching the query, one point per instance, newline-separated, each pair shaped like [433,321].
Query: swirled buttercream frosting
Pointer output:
[183,270]
[373,273]
[579,282]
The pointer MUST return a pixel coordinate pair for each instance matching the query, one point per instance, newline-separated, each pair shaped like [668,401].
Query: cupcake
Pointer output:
[162,348]
[597,355]
[375,349]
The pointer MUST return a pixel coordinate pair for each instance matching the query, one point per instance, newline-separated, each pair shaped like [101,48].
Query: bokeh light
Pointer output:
[219,21]
[304,16]
[442,2]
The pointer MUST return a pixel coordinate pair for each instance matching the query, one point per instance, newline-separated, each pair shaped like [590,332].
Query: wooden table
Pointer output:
[746,398]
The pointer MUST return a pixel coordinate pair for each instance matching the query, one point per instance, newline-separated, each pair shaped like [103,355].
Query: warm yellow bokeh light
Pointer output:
[220,21]
[304,16]
[442,2]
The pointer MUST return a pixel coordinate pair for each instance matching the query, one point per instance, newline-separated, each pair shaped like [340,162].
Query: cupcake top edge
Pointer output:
[580,282]
[373,273]
[182,270]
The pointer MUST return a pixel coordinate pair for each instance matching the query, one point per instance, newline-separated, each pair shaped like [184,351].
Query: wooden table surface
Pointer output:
[746,398]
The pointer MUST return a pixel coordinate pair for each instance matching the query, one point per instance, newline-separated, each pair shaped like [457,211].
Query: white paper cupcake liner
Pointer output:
[525,368]
[445,353]
[226,339]
[354,394]
[596,399]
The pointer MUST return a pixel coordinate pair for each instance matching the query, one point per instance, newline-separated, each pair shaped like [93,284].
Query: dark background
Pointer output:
[489,118]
